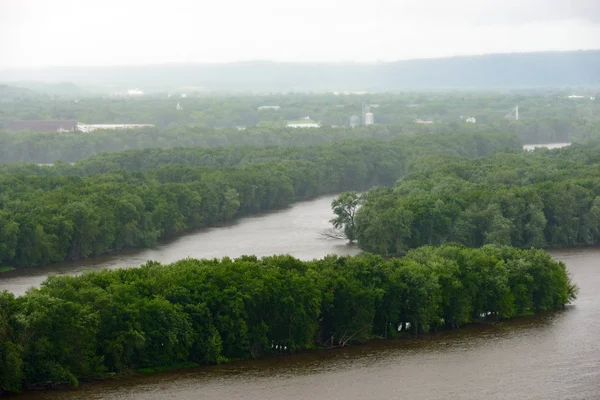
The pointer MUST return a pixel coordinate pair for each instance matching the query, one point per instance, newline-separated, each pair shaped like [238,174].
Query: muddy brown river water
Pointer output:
[553,356]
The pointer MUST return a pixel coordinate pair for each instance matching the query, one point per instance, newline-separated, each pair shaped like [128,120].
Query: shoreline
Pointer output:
[403,339]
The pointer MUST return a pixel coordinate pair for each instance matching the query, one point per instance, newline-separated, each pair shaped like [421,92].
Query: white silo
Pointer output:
[369,118]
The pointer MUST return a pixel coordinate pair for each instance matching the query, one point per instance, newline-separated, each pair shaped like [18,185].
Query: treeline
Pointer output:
[213,121]
[48,148]
[211,311]
[229,111]
[540,199]
[132,199]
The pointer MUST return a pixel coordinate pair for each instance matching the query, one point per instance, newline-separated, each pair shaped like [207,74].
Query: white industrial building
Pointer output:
[303,125]
[94,127]
[135,92]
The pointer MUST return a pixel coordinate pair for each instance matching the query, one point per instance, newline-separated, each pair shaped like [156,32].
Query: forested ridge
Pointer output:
[540,199]
[211,311]
[535,69]
[134,198]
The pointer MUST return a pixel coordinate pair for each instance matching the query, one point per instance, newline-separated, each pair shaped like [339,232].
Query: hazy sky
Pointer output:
[101,32]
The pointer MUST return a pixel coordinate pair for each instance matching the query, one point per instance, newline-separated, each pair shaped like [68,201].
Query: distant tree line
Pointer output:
[132,199]
[210,311]
[540,199]
[213,121]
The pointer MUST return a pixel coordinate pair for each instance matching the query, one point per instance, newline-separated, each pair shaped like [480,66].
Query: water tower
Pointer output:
[369,117]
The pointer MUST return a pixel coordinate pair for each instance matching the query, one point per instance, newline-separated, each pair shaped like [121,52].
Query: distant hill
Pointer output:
[20,90]
[13,93]
[66,89]
[527,70]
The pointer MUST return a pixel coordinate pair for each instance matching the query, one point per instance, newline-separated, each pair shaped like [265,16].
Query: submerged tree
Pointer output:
[344,208]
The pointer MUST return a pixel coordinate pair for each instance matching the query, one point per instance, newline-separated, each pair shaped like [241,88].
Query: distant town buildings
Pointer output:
[471,120]
[578,96]
[303,125]
[135,92]
[420,121]
[276,108]
[129,93]
[348,93]
[61,126]
[94,127]
[305,122]
[178,107]
[45,126]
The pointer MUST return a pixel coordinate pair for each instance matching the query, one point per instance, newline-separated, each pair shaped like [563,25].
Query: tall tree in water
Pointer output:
[344,208]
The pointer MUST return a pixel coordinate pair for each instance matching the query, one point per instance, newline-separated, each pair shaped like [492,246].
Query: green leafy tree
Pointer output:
[344,208]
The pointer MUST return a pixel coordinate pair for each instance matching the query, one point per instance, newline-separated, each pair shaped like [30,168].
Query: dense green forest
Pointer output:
[132,199]
[47,148]
[492,71]
[211,311]
[540,199]
[220,120]
[229,111]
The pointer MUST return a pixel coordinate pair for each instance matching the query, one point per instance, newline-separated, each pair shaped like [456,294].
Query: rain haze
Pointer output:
[40,33]
[299,199]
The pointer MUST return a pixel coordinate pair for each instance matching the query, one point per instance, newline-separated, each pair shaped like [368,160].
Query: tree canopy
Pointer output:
[134,198]
[547,198]
[211,311]
[214,120]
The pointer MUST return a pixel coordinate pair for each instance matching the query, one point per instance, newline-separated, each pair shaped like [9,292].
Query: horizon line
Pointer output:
[271,61]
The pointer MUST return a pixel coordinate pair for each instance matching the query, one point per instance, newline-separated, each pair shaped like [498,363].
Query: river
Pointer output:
[554,356]
[295,230]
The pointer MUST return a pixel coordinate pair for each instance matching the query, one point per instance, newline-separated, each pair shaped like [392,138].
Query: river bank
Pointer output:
[538,357]
[212,311]
[403,340]
[541,356]
[294,230]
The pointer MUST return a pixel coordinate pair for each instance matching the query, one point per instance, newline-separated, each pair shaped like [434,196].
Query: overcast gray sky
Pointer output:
[109,32]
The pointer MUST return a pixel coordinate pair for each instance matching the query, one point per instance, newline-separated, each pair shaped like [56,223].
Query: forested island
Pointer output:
[210,311]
